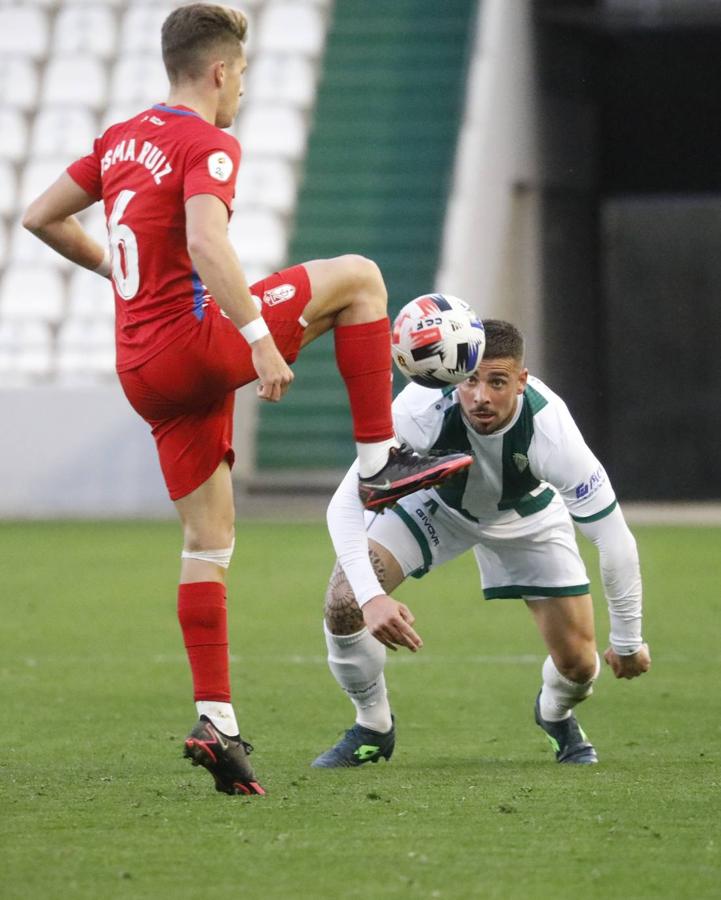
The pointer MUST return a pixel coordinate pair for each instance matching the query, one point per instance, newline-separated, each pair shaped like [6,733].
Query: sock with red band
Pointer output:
[204,622]
[363,354]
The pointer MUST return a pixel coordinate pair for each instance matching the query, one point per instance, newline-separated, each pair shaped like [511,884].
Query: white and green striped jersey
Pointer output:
[519,469]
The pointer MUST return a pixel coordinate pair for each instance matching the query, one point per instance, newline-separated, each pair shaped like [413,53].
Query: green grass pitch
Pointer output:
[97,802]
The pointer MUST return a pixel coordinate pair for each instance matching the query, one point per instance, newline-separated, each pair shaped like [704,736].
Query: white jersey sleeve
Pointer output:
[560,456]
[621,576]
[417,416]
[346,525]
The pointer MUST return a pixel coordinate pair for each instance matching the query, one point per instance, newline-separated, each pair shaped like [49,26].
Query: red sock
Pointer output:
[363,354]
[204,622]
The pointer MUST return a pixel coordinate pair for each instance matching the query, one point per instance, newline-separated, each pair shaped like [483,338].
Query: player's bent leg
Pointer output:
[207,516]
[356,660]
[569,672]
[349,296]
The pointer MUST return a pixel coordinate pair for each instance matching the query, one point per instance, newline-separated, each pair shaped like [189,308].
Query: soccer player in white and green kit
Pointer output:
[533,477]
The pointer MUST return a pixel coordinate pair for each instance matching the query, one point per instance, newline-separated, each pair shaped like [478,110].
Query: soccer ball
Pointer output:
[437,340]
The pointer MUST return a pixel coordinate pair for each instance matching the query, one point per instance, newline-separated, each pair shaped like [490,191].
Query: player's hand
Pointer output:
[629,666]
[274,373]
[390,623]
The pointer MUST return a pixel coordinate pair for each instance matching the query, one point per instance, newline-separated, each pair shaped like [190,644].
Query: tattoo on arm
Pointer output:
[342,613]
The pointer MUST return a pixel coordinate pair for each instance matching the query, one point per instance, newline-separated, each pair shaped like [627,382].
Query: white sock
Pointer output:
[372,457]
[222,715]
[559,694]
[356,661]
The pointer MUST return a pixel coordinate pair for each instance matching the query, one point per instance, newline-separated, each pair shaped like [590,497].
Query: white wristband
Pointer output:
[105,266]
[255,330]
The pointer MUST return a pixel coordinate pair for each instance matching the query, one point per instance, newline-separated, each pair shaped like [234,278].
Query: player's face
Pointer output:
[231,91]
[489,397]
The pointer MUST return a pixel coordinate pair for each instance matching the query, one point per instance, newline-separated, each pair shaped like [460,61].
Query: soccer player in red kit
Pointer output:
[189,331]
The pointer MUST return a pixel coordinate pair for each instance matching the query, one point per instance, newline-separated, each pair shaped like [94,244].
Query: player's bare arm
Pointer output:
[219,268]
[51,217]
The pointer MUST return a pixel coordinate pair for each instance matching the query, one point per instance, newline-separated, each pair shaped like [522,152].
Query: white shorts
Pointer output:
[531,558]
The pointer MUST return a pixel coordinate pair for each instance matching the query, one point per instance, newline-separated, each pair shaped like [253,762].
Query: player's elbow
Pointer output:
[33,218]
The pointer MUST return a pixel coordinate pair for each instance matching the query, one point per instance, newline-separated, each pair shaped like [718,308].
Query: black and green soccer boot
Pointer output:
[567,738]
[359,745]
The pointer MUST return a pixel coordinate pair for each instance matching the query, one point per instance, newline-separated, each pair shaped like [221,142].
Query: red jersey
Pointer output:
[144,170]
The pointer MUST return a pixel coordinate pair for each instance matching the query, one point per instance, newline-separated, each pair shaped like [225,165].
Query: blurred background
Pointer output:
[553,162]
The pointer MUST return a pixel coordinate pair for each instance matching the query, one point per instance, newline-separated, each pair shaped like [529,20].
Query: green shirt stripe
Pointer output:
[599,515]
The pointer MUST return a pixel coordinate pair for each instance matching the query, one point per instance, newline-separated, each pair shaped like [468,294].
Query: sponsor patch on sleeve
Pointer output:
[220,166]
[587,488]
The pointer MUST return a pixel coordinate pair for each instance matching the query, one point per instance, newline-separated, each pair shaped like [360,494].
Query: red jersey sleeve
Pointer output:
[86,173]
[212,169]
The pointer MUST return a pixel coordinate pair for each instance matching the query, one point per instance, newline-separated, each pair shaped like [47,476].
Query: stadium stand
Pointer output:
[377,176]
[69,69]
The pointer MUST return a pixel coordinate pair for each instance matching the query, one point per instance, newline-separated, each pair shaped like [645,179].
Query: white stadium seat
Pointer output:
[23,32]
[13,134]
[291,28]
[275,78]
[8,189]
[84,29]
[63,130]
[266,182]
[107,3]
[18,83]
[272,131]
[86,347]
[90,296]
[93,221]
[140,29]
[25,350]
[75,80]
[3,243]
[139,80]
[25,248]
[38,175]
[120,113]
[31,293]
[259,238]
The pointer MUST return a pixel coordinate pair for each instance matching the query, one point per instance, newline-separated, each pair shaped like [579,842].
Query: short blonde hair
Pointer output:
[192,33]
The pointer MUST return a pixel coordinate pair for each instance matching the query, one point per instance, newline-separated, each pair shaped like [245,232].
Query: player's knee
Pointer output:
[579,664]
[364,284]
[342,613]
[198,538]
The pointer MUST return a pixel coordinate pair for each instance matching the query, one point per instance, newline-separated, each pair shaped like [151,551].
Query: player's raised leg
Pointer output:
[569,672]
[207,516]
[349,296]
[356,660]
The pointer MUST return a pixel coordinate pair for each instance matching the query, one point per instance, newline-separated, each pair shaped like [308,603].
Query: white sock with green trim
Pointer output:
[357,661]
[559,694]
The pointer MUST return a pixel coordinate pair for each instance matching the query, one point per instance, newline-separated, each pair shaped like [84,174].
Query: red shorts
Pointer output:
[186,392]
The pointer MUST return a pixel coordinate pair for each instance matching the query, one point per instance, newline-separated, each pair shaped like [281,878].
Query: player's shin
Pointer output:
[559,694]
[364,360]
[357,661]
[203,620]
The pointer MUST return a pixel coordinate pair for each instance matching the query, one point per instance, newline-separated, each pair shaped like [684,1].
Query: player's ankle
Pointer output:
[373,456]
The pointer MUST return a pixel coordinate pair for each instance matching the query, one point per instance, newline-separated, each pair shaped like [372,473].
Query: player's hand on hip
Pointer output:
[274,373]
[391,623]
[629,666]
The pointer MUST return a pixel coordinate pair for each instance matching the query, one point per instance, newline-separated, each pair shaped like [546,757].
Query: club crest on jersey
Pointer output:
[279,294]
[521,461]
[220,166]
